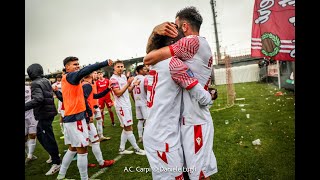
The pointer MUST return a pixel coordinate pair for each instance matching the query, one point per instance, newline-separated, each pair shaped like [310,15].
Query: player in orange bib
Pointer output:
[74,122]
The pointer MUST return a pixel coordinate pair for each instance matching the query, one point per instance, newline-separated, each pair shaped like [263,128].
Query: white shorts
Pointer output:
[59,106]
[124,116]
[30,123]
[141,112]
[197,142]
[62,113]
[97,114]
[93,134]
[76,133]
[165,165]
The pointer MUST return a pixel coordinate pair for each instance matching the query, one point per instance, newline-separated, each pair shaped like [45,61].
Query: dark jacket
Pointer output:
[42,101]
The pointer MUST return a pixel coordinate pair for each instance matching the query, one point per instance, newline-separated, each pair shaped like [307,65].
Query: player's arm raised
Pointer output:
[184,49]
[157,55]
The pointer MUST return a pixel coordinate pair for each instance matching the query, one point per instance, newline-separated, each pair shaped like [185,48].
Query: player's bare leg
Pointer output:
[111,116]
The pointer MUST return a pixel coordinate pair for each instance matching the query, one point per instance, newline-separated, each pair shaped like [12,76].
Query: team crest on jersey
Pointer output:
[198,140]
[190,73]
[27,91]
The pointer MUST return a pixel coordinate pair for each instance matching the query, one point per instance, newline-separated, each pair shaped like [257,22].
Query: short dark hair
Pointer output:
[118,62]
[59,76]
[192,16]
[138,68]
[69,59]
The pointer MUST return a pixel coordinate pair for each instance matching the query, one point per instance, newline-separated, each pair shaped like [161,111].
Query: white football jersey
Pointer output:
[164,95]
[58,84]
[119,82]
[27,94]
[196,53]
[139,93]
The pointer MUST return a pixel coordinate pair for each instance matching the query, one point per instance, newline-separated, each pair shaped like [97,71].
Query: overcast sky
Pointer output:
[119,29]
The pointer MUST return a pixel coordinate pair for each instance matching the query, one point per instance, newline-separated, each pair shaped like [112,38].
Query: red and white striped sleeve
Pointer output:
[181,74]
[185,48]
[114,83]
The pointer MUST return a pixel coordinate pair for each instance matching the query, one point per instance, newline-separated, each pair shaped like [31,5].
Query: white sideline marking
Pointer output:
[239,99]
[104,169]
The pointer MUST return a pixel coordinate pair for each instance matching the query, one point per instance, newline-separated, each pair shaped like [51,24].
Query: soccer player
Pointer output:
[88,86]
[30,128]
[74,122]
[98,115]
[120,86]
[196,121]
[58,85]
[162,132]
[102,84]
[140,98]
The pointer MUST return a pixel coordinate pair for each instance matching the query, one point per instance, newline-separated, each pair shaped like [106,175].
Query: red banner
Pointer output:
[273,29]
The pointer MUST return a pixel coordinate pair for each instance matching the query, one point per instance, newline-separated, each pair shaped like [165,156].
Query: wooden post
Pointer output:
[279,79]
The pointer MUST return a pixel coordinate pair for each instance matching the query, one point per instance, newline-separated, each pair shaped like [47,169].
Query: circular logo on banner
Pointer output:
[270,44]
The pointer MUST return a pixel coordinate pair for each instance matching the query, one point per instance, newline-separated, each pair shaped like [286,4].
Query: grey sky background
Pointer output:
[119,29]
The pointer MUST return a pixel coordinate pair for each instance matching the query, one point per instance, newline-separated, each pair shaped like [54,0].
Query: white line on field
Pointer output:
[104,169]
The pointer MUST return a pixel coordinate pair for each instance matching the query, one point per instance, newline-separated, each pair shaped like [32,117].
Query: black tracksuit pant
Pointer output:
[46,138]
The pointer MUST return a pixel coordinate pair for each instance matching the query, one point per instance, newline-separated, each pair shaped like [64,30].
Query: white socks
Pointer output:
[82,163]
[140,127]
[97,152]
[99,128]
[67,158]
[31,147]
[132,139]
[123,140]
